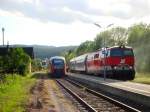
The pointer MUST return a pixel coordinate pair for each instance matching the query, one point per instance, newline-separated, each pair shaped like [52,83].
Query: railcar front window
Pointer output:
[58,62]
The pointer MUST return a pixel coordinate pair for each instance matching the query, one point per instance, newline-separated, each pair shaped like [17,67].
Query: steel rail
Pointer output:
[80,100]
[111,100]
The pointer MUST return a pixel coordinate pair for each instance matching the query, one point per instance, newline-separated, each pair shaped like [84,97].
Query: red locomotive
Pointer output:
[57,66]
[118,62]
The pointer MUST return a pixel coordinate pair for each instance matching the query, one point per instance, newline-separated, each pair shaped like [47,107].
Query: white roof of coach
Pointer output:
[79,57]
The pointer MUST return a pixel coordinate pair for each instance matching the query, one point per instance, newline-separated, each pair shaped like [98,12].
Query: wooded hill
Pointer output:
[48,51]
[43,51]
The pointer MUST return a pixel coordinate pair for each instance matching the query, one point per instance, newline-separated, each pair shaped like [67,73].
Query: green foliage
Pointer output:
[69,55]
[99,40]
[36,65]
[14,93]
[142,78]
[136,33]
[139,39]
[85,47]
[114,36]
[16,61]
[118,36]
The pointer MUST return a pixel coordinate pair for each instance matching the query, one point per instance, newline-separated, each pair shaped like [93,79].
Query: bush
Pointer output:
[22,69]
[16,61]
[36,65]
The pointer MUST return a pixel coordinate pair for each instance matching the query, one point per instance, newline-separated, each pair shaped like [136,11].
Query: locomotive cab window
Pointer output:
[121,52]
[128,52]
[116,52]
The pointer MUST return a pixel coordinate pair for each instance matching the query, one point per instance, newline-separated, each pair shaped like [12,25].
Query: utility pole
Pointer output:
[3,35]
[104,40]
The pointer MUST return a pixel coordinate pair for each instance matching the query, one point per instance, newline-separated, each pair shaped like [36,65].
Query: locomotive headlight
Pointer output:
[115,67]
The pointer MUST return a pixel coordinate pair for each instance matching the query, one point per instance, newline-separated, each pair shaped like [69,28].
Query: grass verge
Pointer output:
[142,78]
[14,93]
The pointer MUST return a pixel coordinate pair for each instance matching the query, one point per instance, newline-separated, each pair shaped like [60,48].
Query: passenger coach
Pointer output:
[118,63]
[57,66]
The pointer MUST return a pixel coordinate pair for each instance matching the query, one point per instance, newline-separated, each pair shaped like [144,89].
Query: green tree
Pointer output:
[16,61]
[19,61]
[99,40]
[36,65]
[139,39]
[139,33]
[69,55]
[118,36]
[85,47]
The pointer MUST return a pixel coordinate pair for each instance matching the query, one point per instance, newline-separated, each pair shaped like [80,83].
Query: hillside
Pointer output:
[48,51]
[43,51]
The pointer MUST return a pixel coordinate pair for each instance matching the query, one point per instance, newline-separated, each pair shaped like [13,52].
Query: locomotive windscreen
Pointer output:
[121,52]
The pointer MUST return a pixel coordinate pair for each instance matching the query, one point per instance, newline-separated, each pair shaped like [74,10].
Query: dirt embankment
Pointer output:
[46,96]
[40,100]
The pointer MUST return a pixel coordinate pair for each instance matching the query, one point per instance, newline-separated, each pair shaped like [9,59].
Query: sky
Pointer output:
[66,22]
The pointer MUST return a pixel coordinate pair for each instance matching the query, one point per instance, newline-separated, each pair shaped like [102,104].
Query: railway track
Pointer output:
[91,100]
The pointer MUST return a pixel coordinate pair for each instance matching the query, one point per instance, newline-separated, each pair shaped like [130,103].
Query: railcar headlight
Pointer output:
[131,67]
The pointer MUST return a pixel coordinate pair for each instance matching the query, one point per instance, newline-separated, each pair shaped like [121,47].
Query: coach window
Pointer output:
[102,55]
[92,57]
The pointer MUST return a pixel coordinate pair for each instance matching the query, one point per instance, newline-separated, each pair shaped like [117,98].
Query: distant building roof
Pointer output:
[28,50]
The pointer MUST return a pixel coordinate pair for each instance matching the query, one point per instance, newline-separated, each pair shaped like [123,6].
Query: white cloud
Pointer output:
[124,9]
[66,11]
[14,14]
[66,22]
[24,30]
